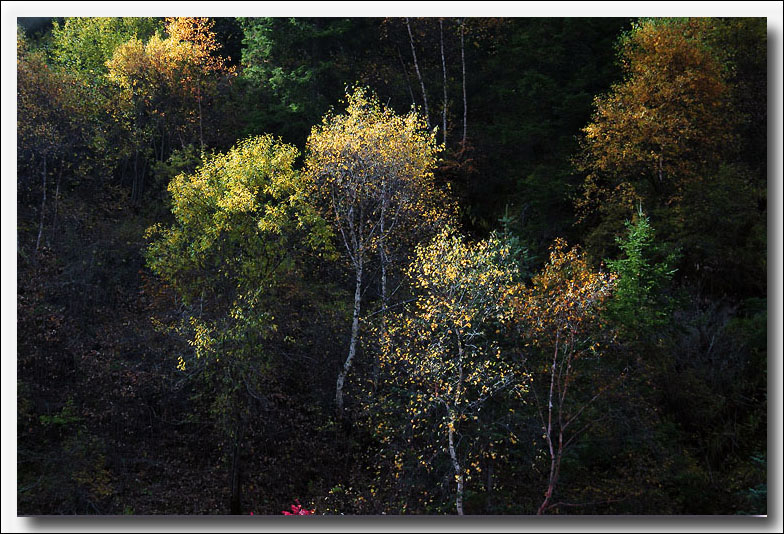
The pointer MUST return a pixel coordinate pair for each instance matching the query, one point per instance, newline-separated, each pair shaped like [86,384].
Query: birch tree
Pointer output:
[372,171]
[442,358]
[418,72]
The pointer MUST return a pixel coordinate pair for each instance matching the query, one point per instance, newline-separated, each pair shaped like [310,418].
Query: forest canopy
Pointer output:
[370,266]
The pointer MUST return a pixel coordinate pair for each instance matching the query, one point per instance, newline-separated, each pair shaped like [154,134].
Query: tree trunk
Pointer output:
[353,344]
[555,458]
[43,208]
[135,176]
[555,468]
[405,75]
[383,260]
[235,502]
[236,486]
[419,74]
[465,100]
[56,201]
[456,466]
[443,69]
[452,421]
[201,134]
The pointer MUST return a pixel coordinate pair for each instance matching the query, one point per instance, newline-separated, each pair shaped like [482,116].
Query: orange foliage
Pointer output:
[655,131]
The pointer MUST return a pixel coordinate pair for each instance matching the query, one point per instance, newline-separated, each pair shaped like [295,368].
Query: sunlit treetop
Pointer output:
[565,298]
[370,164]
[198,32]
[445,346]
[83,45]
[235,218]
[184,63]
[656,130]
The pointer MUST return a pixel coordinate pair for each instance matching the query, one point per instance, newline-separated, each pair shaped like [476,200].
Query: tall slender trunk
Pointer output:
[465,100]
[135,176]
[456,466]
[56,201]
[555,456]
[443,69]
[235,504]
[405,75]
[352,348]
[201,134]
[43,207]
[382,252]
[452,422]
[555,469]
[419,74]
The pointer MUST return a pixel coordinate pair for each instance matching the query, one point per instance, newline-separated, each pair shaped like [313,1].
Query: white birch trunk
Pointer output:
[353,344]
[419,74]
[443,69]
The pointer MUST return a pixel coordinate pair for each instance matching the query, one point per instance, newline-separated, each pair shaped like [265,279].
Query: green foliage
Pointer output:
[741,43]
[66,416]
[297,68]
[181,161]
[639,304]
[757,497]
[723,234]
[524,127]
[511,231]
[480,376]
[236,220]
[83,45]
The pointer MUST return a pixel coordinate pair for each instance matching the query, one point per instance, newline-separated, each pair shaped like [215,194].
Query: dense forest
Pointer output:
[391,266]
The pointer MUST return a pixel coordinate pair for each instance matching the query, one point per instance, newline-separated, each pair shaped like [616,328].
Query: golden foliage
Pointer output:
[653,133]
[373,172]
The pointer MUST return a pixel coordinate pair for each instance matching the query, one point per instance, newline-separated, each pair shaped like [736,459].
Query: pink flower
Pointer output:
[298,509]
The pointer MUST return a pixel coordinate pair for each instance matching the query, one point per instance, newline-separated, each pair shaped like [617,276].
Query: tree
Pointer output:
[238,220]
[639,305]
[372,172]
[442,358]
[658,132]
[419,74]
[83,45]
[165,86]
[297,67]
[559,315]
[54,115]
[207,67]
